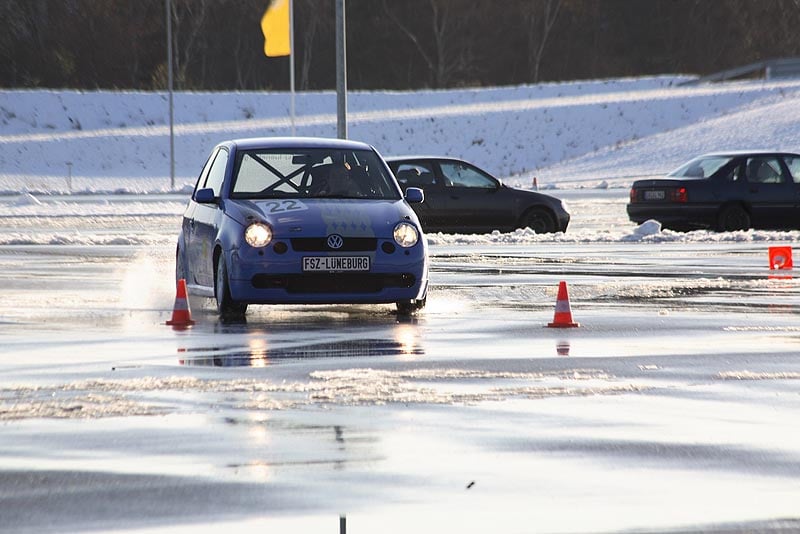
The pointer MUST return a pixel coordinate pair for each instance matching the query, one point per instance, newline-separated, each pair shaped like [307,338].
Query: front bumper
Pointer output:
[562,220]
[264,276]
[684,215]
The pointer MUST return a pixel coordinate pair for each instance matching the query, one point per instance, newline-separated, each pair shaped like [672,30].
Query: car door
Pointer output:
[793,166]
[422,174]
[772,201]
[188,225]
[471,199]
[204,223]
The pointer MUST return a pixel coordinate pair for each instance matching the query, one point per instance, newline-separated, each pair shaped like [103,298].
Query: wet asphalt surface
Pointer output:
[671,408]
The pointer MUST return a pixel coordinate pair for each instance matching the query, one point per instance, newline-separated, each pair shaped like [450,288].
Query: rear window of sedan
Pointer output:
[793,162]
[701,167]
[300,173]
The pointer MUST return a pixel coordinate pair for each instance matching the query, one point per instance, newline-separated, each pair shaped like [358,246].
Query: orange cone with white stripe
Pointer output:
[780,258]
[181,314]
[563,315]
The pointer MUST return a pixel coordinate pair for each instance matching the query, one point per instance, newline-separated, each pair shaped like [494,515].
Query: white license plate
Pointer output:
[654,195]
[335,263]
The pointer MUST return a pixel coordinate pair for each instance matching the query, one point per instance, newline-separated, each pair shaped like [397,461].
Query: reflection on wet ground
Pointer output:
[259,354]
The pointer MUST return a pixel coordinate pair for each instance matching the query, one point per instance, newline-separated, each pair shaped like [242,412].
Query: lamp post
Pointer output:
[169,90]
[341,72]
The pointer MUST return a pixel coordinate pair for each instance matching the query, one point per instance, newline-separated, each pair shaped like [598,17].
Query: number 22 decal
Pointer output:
[283,206]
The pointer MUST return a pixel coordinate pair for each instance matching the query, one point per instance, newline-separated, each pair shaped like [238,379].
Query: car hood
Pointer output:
[534,196]
[320,217]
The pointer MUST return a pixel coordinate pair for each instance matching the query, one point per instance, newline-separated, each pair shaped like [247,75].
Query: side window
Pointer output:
[201,180]
[460,175]
[764,170]
[217,173]
[794,167]
[417,174]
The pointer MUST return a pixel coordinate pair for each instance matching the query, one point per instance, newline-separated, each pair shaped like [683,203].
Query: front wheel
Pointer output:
[180,265]
[227,307]
[733,218]
[539,220]
[408,307]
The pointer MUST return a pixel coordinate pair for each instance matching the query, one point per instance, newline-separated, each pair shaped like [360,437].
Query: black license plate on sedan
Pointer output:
[335,263]
[656,194]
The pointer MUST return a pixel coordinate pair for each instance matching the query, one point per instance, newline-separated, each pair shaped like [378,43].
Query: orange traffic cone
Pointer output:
[181,315]
[563,315]
[780,257]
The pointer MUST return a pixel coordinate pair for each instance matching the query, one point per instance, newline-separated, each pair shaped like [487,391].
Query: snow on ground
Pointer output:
[580,131]
[599,135]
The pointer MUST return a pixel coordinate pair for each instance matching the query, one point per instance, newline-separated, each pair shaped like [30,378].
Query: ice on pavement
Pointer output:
[164,395]
[104,397]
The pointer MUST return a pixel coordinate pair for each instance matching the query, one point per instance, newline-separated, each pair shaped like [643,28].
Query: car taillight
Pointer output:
[680,195]
[633,194]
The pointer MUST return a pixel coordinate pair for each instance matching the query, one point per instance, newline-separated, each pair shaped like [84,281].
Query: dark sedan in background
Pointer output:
[462,198]
[723,191]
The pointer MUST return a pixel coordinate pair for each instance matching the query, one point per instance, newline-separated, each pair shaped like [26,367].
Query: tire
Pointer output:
[180,266]
[227,307]
[408,307]
[732,218]
[678,228]
[539,220]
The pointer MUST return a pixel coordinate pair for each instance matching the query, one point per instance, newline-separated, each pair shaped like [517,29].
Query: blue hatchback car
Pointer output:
[301,221]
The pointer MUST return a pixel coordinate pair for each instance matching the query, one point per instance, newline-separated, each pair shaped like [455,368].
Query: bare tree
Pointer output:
[313,20]
[539,17]
[189,18]
[447,48]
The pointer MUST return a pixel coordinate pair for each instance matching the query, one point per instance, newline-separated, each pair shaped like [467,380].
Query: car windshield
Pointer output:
[701,167]
[311,172]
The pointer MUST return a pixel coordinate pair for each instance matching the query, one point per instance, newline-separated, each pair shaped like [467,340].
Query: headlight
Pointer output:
[406,235]
[258,235]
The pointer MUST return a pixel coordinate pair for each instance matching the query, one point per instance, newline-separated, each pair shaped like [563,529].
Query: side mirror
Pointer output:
[414,195]
[205,196]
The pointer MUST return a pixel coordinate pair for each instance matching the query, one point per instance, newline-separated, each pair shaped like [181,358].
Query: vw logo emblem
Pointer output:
[335,241]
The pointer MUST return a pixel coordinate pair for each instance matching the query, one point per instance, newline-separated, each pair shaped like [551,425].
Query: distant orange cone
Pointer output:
[780,257]
[563,315]
[181,315]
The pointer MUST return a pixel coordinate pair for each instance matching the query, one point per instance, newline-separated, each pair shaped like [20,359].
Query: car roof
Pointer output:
[419,156]
[295,142]
[754,152]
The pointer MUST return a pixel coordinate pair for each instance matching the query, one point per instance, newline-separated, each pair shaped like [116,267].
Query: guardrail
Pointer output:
[772,69]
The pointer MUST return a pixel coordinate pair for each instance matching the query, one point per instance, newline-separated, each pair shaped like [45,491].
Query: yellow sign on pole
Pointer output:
[275,26]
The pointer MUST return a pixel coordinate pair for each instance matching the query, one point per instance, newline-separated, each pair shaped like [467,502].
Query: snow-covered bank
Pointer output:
[584,132]
[629,235]
[68,158]
[154,220]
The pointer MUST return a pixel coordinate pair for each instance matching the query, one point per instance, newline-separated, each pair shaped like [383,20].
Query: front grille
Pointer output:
[333,282]
[320,244]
